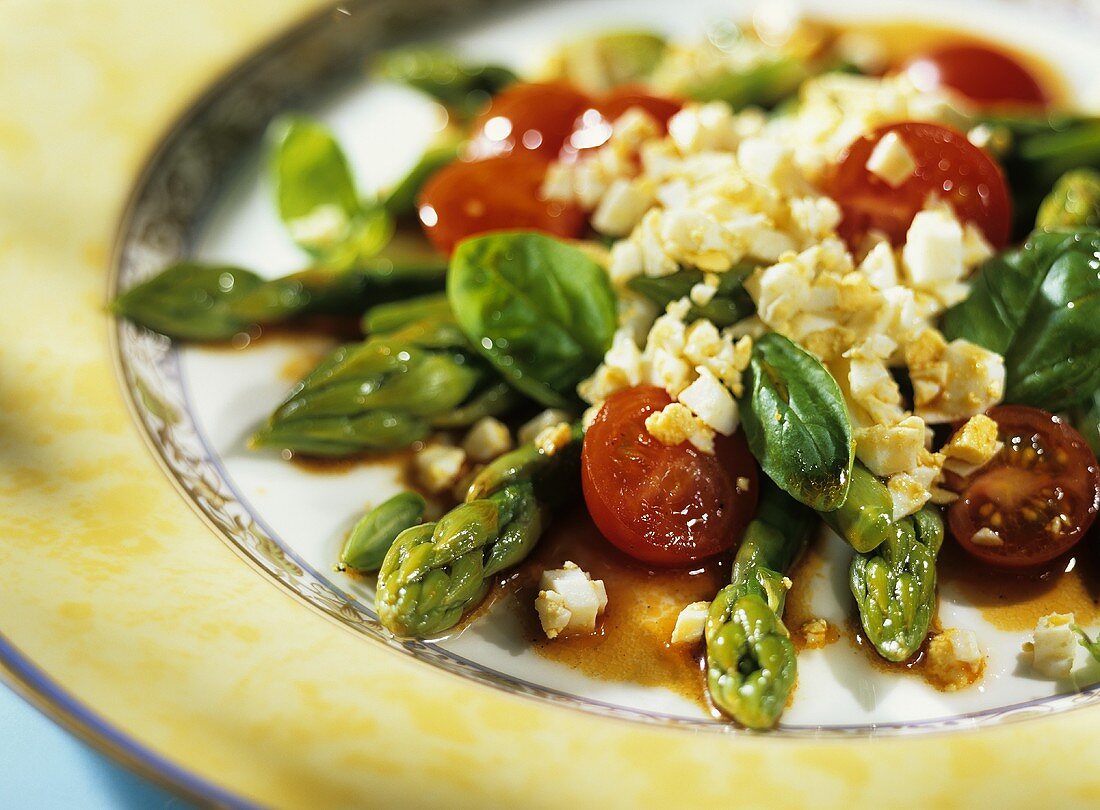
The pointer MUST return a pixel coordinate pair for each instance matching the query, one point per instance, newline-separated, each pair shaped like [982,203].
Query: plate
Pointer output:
[126,588]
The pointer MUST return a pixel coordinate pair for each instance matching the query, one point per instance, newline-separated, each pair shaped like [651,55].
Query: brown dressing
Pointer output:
[400,460]
[806,577]
[1016,601]
[631,643]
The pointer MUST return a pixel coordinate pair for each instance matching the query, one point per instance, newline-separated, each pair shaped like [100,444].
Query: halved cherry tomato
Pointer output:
[535,118]
[465,199]
[948,166]
[1036,498]
[987,76]
[664,505]
[593,127]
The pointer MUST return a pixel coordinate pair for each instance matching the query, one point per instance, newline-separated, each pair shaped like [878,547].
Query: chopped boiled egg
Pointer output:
[691,623]
[954,659]
[438,467]
[569,601]
[1053,645]
[891,160]
[487,439]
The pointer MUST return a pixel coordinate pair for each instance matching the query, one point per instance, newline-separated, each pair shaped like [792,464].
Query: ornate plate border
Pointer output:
[175,189]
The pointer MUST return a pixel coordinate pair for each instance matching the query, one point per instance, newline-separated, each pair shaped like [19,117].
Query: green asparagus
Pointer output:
[751,665]
[1074,202]
[375,532]
[436,572]
[1036,150]
[730,304]
[895,586]
[865,519]
[198,302]
[385,393]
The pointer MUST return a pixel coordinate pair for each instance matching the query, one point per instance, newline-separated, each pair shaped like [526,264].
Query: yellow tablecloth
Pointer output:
[113,586]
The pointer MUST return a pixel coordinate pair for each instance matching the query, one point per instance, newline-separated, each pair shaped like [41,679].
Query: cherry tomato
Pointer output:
[664,505]
[1037,497]
[534,118]
[465,199]
[593,126]
[947,165]
[987,76]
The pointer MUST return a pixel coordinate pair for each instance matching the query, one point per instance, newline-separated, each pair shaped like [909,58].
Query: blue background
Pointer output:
[43,766]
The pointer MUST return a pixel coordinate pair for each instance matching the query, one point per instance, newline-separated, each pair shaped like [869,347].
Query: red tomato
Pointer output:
[664,505]
[948,166]
[593,127]
[465,199]
[533,118]
[987,76]
[1040,494]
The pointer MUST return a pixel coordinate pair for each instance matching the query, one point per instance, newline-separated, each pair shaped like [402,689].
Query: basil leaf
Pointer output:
[1039,306]
[401,199]
[765,84]
[463,88]
[540,310]
[731,302]
[316,195]
[797,424]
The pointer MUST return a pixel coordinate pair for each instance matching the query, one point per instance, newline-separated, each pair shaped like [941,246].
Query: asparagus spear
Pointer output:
[895,586]
[1036,150]
[387,392]
[865,519]
[436,572]
[1073,203]
[375,532]
[730,304]
[192,301]
[751,666]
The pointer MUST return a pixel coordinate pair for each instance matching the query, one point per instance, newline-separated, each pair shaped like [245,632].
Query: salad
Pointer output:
[724,293]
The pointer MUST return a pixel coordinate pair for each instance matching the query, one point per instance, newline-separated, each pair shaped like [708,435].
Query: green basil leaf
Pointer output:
[191,301]
[731,302]
[1039,306]
[401,199]
[765,84]
[316,195]
[463,88]
[540,310]
[797,424]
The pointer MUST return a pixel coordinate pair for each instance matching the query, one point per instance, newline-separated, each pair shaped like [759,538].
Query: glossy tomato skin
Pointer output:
[528,117]
[667,506]
[988,77]
[469,198]
[592,128]
[1040,494]
[948,166]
